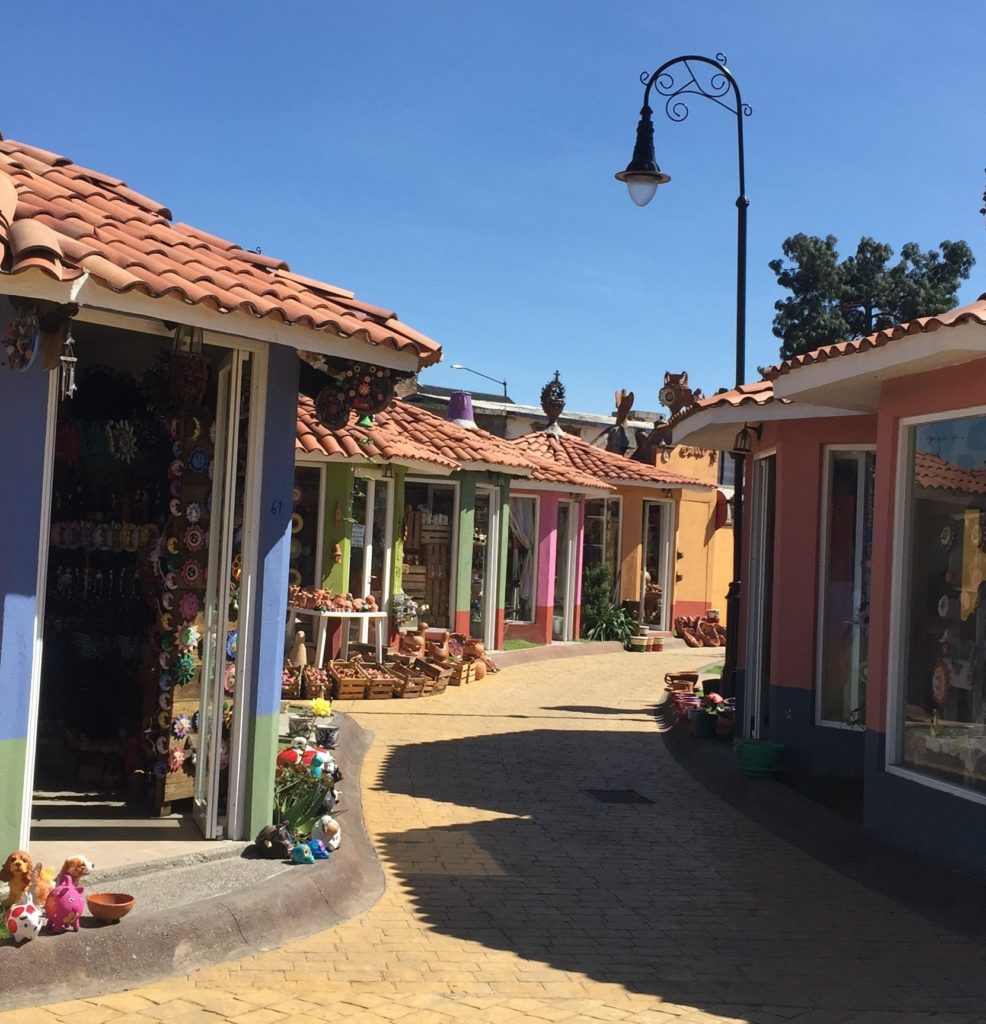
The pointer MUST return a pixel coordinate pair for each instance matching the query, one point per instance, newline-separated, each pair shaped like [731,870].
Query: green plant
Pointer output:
[298,799]
[601,619]
[612,624]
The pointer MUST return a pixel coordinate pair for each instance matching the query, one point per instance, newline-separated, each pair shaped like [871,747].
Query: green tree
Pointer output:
[834,300]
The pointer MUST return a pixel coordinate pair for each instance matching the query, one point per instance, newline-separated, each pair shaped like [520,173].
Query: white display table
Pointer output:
[322,619]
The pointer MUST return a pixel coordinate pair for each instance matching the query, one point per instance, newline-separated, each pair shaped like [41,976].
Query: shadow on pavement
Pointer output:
[683,898]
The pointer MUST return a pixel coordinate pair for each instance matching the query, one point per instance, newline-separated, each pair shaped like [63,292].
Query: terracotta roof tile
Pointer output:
[937,473]
[408,433]
[759,393]
[975,312]
[83,221]
[566,450]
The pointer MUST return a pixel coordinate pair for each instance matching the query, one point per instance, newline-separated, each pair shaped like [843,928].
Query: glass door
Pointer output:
[371,543]
[216,770]
[653,584]
[561,620]
[482,595]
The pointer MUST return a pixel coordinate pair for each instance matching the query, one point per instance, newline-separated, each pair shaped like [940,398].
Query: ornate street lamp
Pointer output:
[674,79]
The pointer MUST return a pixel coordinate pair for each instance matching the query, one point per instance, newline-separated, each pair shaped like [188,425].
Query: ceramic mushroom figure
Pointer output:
[328,831]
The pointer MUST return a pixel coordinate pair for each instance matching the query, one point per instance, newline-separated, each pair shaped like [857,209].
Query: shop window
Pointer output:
[655,543]
[429,515]
[522,559]
[847,544]
[942,660]
[601,544]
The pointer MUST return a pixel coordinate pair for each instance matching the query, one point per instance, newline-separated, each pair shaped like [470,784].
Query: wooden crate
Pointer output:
[381,682]
[462,672]
[437,675]
[348,680]
[411,680]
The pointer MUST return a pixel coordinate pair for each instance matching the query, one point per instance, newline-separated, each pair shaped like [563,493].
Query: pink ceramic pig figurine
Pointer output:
[66,904]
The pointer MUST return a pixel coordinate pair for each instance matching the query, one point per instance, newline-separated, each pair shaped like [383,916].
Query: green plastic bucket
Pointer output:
[758,757]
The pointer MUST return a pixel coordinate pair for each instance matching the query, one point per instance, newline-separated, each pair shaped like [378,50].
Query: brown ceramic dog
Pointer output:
[17,870]
[76,867]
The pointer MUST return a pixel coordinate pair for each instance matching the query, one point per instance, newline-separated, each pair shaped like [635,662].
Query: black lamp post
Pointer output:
[673,80]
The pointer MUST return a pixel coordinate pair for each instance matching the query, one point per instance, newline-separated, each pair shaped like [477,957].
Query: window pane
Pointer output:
[521,560]
[845,610]
[945,627]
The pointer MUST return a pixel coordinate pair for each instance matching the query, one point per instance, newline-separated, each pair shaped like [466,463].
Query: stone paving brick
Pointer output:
[514,898]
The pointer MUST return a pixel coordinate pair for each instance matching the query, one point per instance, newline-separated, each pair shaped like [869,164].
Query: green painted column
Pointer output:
[463,554]
[397,548]
[337,526]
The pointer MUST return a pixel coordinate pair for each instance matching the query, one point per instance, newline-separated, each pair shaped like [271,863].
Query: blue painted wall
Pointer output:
[23,416]
[811,749]
[274,553]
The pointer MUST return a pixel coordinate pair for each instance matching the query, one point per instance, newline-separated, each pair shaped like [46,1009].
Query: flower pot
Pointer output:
[705,725]
[758,757]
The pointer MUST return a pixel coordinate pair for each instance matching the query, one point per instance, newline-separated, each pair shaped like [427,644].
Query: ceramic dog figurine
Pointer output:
[328,831]
[274,842]
[16,871]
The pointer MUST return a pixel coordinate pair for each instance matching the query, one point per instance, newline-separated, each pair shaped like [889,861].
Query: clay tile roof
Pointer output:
[938,474]
[975,312]
[408,433]
[759,393]
[566,450]
[68,220]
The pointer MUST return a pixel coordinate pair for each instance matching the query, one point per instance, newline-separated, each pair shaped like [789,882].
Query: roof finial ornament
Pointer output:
[553,402]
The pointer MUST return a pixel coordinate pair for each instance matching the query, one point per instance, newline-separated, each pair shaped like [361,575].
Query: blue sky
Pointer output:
[454,161]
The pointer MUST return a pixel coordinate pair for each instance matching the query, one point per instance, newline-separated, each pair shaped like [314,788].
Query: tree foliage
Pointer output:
[835,299]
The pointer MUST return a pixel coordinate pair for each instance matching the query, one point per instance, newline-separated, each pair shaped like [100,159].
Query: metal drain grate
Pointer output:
[618,796]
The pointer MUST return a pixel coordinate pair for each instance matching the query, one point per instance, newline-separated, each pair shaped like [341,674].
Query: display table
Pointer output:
[322,619]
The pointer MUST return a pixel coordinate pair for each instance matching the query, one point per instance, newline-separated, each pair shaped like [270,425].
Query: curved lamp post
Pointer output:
[673,80]
[459,366]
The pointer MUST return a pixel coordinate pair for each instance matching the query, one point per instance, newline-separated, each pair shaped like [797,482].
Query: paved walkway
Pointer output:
[516,896]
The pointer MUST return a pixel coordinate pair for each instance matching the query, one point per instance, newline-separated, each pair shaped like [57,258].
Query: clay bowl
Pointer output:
[109,906]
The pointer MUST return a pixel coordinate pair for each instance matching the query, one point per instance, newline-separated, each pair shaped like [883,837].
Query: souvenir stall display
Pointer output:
[109,505]
[427,568]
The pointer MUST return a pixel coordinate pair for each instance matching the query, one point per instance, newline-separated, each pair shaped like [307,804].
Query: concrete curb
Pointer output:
[551,652]
[143,949]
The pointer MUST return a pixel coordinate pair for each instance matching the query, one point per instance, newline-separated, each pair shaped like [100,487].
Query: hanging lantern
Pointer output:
[67,361]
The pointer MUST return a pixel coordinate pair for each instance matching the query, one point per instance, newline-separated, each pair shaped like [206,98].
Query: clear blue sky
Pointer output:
[454,160]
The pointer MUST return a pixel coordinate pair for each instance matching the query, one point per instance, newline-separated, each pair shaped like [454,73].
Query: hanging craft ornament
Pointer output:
[161,744]
[67,362]
[22,339]
[184,669]
[232,642]
[164,701]
[160,768]
[198,461]
[229,677]
[176,758]
[194,538]
[189,606]
[188,637]
[191,573]
[193,513]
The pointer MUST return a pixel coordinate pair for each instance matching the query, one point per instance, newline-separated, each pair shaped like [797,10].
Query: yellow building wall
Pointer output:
[701,555]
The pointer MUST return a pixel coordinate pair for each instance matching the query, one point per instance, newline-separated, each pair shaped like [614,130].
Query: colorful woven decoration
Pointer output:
[194,538]
[184,669]
[189,606]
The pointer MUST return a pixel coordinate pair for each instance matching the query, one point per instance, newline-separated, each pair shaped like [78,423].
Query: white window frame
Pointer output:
[536,498]
[823,553]
[899,604]
[570,556]
[373,478]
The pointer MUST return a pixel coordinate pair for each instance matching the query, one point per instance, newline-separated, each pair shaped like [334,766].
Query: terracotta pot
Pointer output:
[473,648]
[479,666]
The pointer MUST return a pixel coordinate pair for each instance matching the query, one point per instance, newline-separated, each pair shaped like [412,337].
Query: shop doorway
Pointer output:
[151,541]
[562,618]
[371,544]
[485,558]
[430,516]
[654,582]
